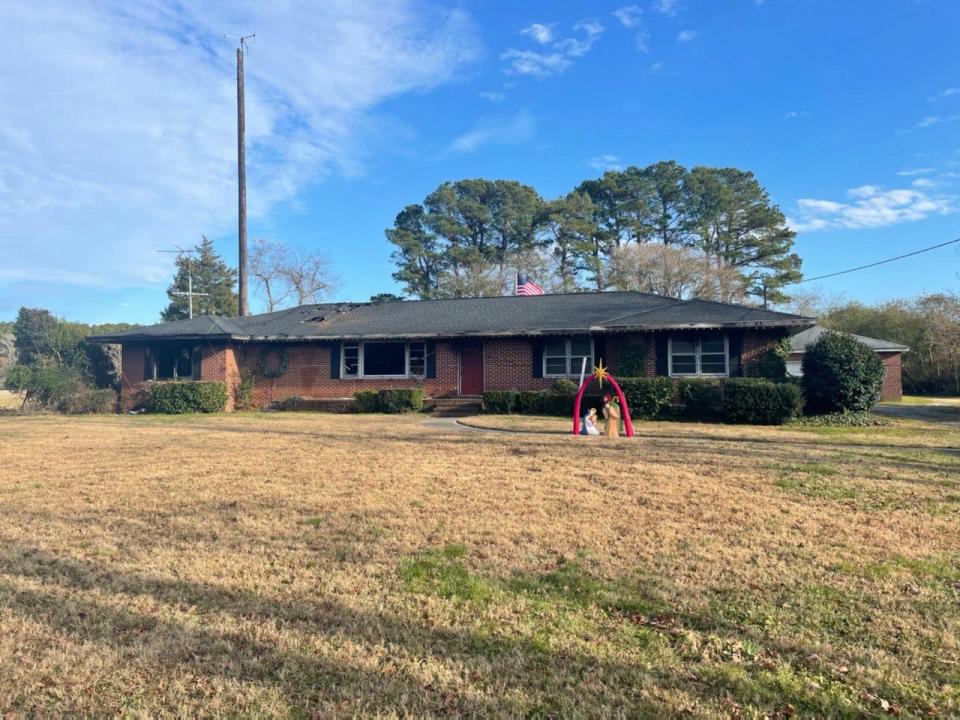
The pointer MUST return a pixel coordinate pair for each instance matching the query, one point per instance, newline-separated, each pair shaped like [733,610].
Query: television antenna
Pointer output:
[190,294]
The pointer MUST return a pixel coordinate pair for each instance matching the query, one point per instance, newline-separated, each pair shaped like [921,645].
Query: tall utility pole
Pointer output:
[242,179]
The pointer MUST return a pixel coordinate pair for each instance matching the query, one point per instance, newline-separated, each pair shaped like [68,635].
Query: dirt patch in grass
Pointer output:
[277,565]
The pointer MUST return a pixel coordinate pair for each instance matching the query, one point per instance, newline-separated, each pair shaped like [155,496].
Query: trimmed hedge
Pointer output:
[366,401]
[186,396]
[742,401]
[647,397]
[754,401]
[500,402]
[400,400]
[702,399]
[840,374]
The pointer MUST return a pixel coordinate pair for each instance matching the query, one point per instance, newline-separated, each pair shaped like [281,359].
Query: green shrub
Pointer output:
[500,401]
[531,402]
[755,401]
[243,393]
[89,400]
[646,397]
[840,374]
[186,396]
[401,400]
[772,365]
[702,399]
[851,418]
[563,386]
[366,401]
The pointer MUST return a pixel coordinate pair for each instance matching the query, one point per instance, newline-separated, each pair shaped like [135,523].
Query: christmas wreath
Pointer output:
[269,370]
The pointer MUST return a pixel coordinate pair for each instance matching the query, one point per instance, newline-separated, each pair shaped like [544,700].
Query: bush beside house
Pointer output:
[187,396]
[398,400]
[840,375]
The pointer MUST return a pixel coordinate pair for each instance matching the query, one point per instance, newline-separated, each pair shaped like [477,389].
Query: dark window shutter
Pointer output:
[599,352]
[537,358]
[147,364]
[431,359]
[735,342]
[196,362]
[334,361]
[663,366]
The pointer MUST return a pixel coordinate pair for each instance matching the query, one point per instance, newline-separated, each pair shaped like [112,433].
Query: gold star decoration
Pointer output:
[600,372]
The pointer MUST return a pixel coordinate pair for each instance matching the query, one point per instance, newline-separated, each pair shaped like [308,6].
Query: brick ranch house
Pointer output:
[450,348]
[890,353]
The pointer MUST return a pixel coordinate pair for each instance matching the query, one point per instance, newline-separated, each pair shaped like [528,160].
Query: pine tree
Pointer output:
[211,275]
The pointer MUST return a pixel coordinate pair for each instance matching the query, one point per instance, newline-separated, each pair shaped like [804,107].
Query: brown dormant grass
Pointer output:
[318,565]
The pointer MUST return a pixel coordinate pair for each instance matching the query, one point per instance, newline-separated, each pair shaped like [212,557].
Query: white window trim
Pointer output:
[696,352]
[361,375]
[575,372]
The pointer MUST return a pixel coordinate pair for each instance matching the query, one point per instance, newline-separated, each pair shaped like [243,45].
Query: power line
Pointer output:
[880,262]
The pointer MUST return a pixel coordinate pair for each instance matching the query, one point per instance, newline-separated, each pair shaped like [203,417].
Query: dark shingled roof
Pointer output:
[799,342]
[459,317]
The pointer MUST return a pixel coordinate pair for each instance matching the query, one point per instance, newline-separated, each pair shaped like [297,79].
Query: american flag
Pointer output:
[526,286]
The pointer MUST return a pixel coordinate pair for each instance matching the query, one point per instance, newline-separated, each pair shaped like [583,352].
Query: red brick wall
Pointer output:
[507,366]
[308,375]
[892,376]
[755,344]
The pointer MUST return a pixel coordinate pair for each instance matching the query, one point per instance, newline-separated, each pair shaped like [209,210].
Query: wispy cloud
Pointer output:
[916,171]
[605,162]
[120,140]
[870,206]
[630,17]
[494,96]
[665,7]
[949,92]
[932,120]
[540,32]
[795,114]
[499,131]
[686,35]
[561,54]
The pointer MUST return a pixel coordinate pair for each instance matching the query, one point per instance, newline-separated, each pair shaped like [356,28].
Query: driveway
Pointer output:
[945,411]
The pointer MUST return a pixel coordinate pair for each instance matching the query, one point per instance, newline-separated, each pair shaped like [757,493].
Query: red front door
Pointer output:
[471,368]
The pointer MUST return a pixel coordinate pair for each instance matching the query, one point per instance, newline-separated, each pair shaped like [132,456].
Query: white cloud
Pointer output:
[916,171]
[605,162]
[872,207]
[795,114]
[949,92]
[924,183]
[628,16]
[494,95]
[931,120]
[665,7]
[117,128]
[540,32]
[501,131]
[686,35]
[656,67]
[561,55]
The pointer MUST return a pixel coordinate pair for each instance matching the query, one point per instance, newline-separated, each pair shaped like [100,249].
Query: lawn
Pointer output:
[322,565]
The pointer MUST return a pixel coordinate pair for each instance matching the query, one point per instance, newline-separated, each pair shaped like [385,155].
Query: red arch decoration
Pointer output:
[627,424]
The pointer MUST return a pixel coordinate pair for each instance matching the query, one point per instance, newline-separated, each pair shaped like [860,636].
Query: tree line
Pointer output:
[711,233]
[929,325]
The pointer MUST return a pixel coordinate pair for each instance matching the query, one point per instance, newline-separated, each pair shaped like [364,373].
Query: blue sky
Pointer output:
[117,122]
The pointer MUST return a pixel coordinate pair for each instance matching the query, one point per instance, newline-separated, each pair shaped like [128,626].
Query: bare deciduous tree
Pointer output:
[286,274]
[673,271]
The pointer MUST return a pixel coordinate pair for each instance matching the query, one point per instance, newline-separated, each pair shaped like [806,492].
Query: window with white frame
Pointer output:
[706,356]
[384,359]
[564,356]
